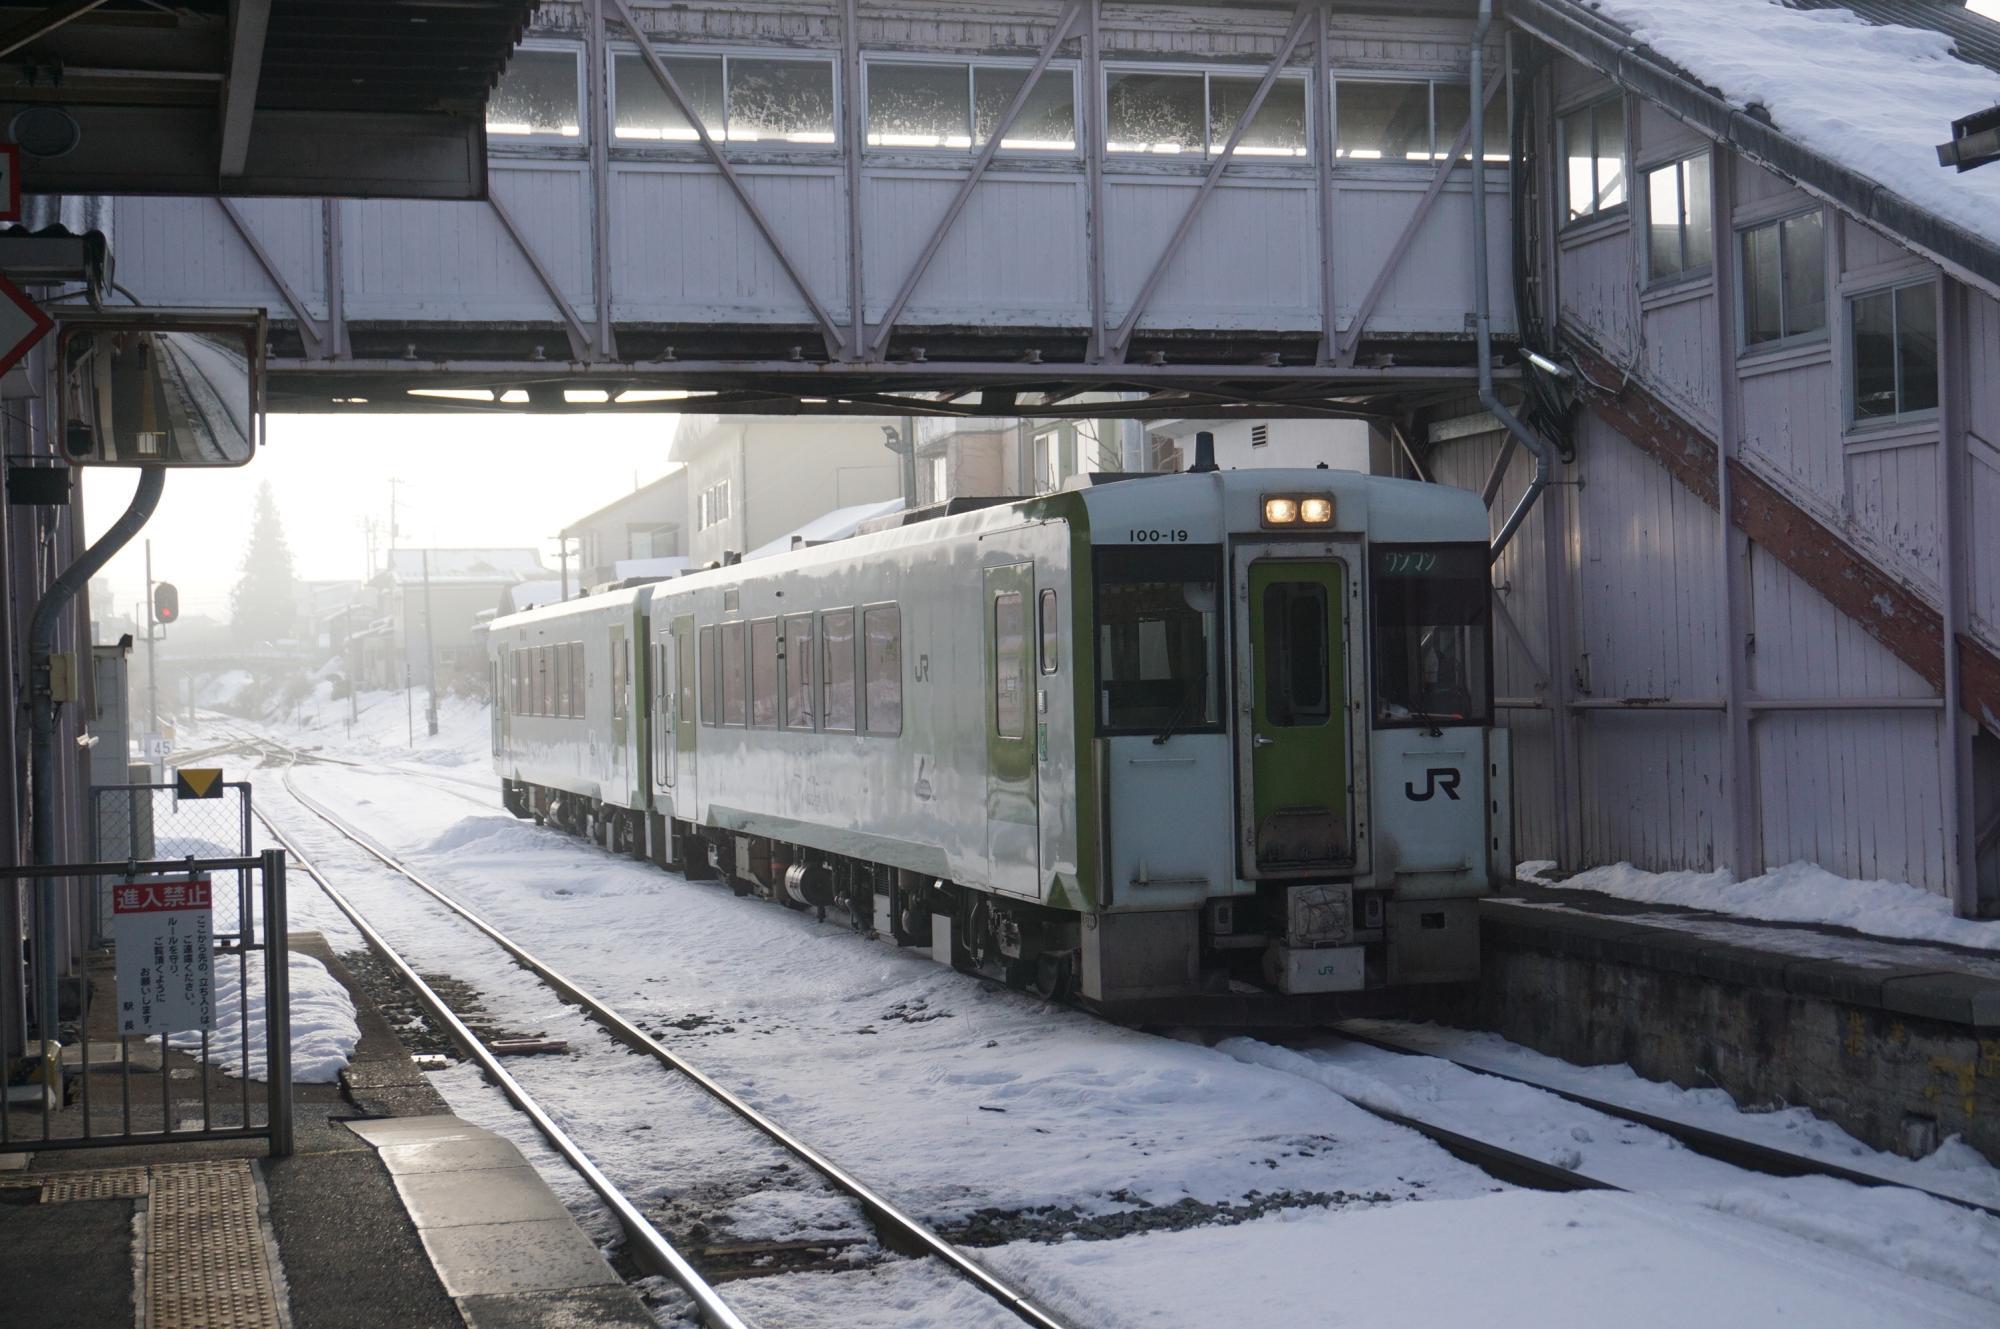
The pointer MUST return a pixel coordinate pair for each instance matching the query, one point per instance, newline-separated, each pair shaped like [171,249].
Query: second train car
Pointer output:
[1217,741]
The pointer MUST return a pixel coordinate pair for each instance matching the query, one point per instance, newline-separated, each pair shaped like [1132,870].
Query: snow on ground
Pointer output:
[954,1097]
[1795,893]
[1877,99]
[324,1031]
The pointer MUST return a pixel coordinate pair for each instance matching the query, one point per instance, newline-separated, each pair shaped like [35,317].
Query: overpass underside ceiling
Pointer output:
[944,372]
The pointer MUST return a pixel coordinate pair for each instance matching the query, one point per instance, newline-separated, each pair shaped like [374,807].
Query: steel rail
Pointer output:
[714,1310]
[899,1230]
[1719,1145]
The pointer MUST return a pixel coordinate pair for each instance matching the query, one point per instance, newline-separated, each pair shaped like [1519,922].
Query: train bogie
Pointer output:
[1161,742]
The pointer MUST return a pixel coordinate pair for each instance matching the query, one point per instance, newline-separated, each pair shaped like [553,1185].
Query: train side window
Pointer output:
[711,679]
[576,678]
[882,668]
[764,673]
[735,696]
[621,677]
[798,672]
[836,632]
[544,683]
[1010,689]
[684,676]
[564,676]
[1049,624]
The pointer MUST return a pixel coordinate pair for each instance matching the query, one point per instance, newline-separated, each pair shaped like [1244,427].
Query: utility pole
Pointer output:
[562,543]
[430,648]
[152,661]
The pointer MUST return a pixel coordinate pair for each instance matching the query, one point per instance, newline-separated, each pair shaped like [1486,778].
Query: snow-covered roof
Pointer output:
[1868,101]
[835,525]
[672,565]
[465,567]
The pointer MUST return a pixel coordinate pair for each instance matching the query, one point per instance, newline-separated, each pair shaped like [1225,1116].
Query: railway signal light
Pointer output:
[166,602]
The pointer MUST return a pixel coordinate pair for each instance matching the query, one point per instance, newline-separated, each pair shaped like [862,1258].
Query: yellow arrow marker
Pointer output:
[198,782]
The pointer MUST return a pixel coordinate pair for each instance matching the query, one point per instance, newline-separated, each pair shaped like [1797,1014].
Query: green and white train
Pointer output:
[1203,746]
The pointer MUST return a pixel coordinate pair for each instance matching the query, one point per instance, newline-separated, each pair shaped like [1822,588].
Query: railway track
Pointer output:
[1750,1155]
[894,1229]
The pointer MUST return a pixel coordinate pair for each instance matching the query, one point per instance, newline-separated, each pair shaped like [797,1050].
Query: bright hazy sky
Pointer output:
[469,480]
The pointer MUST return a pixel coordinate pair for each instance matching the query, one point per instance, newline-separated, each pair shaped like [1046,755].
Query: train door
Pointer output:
[684,719]
[1013,828]
[621,711]
[1294,758]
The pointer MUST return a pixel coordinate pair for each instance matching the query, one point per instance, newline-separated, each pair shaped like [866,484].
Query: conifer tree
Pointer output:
[263,606]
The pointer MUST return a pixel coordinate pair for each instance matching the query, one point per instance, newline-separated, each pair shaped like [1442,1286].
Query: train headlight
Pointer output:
[1280,511]
[1316,511]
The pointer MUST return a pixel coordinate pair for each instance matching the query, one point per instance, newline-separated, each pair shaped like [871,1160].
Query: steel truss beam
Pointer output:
[1057,36]
[1121,341]
[828,328]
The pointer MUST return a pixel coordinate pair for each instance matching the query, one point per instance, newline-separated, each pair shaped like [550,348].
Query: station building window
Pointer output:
[1192,114]
[775,101]
[1895,352]
[799,671]
[1680,231]
[882,668]
[1410,120]
[1593,152]
[538,95]
[764,673]
[836,631]
[1784,279]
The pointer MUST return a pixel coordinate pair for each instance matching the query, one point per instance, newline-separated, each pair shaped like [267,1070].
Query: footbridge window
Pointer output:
[1680,235]
[956,105]
[1895,352]
[785,101]
[1192,113]
[538,96]
[1784,279]
[1593,150]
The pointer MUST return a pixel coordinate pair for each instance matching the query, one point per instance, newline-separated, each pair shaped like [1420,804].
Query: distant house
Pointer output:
[752,479]
[1342,445]
[642,527]
[448,590]
[1004,457]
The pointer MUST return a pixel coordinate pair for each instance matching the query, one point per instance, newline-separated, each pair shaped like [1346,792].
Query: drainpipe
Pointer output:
[1543,453]
[42,728]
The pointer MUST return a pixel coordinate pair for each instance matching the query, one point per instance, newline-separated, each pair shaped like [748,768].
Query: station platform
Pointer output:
[390,1212]
[1897,1041]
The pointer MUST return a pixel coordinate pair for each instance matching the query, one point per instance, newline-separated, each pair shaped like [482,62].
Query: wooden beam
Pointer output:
[1884,607]
[248,20]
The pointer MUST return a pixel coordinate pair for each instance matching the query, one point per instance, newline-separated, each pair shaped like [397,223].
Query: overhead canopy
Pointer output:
[358,98]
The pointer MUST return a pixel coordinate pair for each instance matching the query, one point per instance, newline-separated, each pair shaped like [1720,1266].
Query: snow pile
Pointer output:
[324,1031]
[1795,893]
[1877,99]
[223,690]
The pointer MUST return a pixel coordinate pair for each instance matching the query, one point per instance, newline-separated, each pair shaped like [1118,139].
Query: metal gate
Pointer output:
[130,822]
[114,1088]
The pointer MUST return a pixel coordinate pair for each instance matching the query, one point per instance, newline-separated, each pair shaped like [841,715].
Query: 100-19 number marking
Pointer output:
[1155,537]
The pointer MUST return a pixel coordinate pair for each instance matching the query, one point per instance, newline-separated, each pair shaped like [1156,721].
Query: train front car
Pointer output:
[1299,789]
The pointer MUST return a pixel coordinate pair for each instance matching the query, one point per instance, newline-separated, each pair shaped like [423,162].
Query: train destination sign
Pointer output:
[163,935]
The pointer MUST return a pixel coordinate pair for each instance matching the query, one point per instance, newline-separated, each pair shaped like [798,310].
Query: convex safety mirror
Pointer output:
[160,387]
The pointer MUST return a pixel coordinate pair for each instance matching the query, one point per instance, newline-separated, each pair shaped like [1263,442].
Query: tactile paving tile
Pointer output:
[120,1183]
[207,1266]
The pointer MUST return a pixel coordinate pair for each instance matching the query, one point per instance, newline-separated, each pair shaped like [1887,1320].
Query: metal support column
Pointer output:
[1955,577]
[277,1001]
[1744,846]
[853,128]
[597,84]
[1091,123]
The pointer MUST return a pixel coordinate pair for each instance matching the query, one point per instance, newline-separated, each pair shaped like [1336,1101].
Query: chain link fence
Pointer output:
[133,823]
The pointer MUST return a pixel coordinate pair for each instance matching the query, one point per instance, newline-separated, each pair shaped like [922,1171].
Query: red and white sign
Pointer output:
[22,324]
[163,934]
[10,182]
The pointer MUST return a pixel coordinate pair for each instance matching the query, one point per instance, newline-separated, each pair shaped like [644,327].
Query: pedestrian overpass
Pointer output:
[872,207]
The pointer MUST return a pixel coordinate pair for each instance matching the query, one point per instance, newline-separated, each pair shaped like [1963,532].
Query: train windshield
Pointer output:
[1433,608]
[1156,639]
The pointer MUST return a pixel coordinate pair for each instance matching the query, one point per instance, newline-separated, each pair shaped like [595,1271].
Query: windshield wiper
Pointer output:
[1180,710]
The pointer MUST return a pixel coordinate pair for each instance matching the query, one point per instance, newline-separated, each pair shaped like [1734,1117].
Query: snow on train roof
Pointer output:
[1875,98]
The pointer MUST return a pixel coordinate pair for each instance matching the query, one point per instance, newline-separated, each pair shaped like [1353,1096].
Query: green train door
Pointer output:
[1013,820]
[1296,813]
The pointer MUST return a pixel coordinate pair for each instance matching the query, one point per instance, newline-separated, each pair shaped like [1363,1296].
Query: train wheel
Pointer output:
[1053,977]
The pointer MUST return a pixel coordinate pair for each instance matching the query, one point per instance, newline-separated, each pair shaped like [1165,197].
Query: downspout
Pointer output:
[42,727]
[1543,453]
